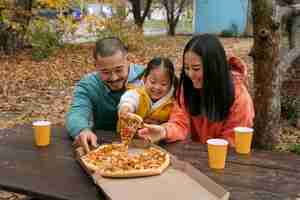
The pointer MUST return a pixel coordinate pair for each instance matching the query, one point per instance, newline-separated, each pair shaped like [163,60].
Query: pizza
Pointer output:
[129,127]
[114,160]
[100,157]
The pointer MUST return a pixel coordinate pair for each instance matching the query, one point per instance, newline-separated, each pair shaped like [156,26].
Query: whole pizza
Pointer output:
[114,160]
[117,160]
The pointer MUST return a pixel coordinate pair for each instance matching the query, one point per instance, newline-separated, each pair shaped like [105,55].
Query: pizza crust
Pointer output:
[89,166]
[137,173]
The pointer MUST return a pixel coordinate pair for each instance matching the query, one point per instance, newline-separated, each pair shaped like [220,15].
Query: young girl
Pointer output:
[212,98]
[154,99]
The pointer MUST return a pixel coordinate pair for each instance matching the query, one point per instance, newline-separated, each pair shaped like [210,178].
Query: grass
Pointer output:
[295,148]
[182,26]
[155,24]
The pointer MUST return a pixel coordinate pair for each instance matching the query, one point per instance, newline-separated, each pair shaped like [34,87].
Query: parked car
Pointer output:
[101,10]
[76,14]
[48,13]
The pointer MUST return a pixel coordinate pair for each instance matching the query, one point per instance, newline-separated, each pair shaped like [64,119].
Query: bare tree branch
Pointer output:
[286,12]
[174,11]
[147,8]
[166,5]
[181,6]
[287,61]
[137,10]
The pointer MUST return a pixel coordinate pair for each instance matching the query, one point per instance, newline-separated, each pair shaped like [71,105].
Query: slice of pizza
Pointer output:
[129,127]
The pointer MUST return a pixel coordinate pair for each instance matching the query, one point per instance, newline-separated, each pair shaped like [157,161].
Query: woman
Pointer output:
[212,97]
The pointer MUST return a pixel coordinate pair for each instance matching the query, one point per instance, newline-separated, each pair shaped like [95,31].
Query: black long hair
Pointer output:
[167,65]
[216,96]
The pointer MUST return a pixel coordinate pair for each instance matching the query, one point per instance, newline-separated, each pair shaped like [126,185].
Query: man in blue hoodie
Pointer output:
[97,95]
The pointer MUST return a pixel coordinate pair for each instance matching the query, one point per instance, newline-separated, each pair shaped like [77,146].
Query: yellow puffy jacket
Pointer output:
[158,112]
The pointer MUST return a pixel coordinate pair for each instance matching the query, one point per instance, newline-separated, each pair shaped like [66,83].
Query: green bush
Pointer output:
[289,106]
[232,31]
[43,39]
[128,32]
[295,148]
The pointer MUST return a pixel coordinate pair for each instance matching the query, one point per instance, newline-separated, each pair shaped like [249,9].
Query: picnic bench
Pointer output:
[53,173]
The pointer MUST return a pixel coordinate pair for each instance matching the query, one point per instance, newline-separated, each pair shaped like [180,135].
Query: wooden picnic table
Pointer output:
[53,173]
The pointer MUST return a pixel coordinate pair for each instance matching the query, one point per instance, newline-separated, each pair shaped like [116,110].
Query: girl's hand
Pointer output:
[152,133]
[124,110]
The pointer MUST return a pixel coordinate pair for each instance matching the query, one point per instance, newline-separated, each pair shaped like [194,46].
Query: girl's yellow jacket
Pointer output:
[159,112]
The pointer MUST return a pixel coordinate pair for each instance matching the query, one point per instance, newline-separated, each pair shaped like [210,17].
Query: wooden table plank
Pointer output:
[21,137]
[27,171]
[267,159]
[238,193]
[255,178]
[243,176]
[260,175]
[47,173]
[25,168]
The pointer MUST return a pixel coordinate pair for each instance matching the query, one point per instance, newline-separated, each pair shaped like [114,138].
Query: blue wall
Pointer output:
[214,16]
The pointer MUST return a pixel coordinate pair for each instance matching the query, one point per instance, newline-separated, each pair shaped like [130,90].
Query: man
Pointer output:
[97,95]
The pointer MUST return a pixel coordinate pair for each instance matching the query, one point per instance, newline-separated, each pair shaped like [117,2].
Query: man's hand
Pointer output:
[85,138]
[152,133]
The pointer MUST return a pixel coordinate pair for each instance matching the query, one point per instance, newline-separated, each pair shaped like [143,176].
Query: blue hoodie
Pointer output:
[94,105]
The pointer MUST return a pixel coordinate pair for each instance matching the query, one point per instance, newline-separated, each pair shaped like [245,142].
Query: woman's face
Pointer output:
[193,68]
[157,84]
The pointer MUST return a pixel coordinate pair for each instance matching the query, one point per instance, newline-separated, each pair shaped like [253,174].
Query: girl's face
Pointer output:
[157,83]
[193,68]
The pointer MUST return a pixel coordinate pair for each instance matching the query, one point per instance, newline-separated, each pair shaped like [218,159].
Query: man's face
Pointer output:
[113,70]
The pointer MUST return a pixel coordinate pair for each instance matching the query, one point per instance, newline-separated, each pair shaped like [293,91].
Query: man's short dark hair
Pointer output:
[109,46]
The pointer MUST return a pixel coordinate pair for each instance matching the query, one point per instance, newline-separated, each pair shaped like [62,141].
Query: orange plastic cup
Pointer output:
[42,131]
[243,139]
[217,152]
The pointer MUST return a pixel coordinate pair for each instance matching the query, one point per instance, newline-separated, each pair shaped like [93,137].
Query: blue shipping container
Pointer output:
[214,16]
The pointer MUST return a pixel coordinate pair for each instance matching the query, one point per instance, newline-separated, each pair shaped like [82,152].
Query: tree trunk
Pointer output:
[137,6]
[266,75]
[172,29]
[136,10]
[173,14]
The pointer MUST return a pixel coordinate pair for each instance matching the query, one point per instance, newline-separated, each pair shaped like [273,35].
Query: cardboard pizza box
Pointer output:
[179,181]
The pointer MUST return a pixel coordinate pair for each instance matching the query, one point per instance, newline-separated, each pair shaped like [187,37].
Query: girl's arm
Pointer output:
[128,102]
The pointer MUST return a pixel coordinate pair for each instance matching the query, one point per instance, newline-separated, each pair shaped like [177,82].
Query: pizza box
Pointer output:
[179,181]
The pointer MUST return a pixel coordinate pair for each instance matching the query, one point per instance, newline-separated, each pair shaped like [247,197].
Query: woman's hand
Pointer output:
[152,133]
[152,121]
